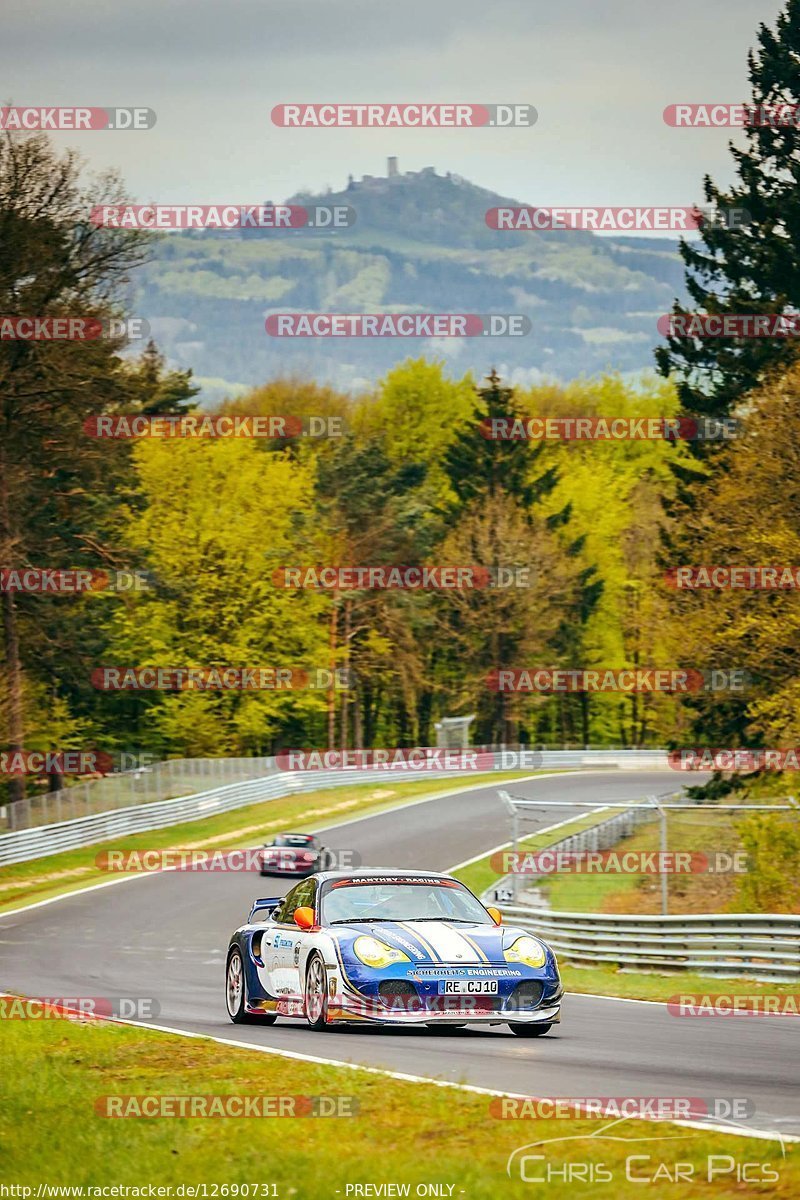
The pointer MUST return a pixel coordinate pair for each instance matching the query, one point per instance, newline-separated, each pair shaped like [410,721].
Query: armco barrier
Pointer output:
[25,844]
[609,833]
[146,782]
[764,946]
[736,944]
[602,835]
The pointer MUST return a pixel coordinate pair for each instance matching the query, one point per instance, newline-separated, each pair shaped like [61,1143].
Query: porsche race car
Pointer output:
[389,947]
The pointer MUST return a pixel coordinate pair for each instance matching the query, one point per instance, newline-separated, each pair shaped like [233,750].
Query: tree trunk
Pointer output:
[344,731]
[585,717]
[13,666]
[332,688]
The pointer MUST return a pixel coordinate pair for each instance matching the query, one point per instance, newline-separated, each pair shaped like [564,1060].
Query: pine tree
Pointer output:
[752,267]
[492,477]
[481,467]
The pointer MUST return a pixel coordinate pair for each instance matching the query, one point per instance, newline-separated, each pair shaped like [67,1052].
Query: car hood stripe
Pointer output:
[430,941]
[396,935]
[445,942]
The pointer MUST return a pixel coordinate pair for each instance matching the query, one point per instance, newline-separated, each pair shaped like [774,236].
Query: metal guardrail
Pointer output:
[735,944]
[606,834]
[23,845]
[147,782]
[600,836]
[27,844]
[717,944]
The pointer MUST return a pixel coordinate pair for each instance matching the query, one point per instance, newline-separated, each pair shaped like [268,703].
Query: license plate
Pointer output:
[468,987]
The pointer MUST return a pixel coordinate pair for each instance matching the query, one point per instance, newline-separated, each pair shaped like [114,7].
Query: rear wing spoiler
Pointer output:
[264,906]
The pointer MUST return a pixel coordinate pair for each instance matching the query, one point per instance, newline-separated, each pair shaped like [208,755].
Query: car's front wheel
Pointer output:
[523,1030]
[316,993]
[236,995]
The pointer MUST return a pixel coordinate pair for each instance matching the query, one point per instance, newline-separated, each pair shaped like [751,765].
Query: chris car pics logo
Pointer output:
[662,1159]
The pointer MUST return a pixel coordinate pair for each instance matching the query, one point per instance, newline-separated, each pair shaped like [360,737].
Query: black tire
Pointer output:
[523,1030]
[315,993]
[236,996]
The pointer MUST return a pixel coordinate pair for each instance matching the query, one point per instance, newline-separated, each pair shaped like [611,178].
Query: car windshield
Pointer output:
[301,840]
[400,900]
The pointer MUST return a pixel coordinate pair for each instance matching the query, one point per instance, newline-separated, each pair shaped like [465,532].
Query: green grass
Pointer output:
[706,832]
[24,883]
[55,1072]
[608,980]
[481,875]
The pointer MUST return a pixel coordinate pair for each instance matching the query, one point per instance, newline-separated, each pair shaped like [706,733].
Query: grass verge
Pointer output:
[705,832]
[403,1133]
[24,883]
[607,979]
[481,875]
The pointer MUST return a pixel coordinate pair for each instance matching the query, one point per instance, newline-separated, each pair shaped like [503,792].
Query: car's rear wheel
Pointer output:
[316,993]
[523,1030]
[236,995]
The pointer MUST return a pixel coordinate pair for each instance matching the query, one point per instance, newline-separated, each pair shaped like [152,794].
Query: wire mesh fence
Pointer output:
[144,785]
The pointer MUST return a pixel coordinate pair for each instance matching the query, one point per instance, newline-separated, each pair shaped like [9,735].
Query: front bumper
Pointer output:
[290,872]
[426,1006]
[371,1013]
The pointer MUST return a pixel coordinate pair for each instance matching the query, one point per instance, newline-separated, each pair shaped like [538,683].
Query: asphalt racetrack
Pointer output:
[165,936]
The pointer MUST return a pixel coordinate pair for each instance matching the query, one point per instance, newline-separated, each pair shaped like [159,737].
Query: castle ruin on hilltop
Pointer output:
[376,182]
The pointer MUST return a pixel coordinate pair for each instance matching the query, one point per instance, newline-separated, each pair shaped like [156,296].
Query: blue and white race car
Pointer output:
[389,947]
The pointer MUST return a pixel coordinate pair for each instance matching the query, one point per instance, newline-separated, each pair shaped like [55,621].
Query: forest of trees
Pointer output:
[209,523]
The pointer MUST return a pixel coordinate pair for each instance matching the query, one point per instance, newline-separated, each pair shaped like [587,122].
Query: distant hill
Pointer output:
[420,243]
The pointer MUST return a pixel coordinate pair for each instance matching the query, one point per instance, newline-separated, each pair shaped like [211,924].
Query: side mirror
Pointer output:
[496,915]
[304,918]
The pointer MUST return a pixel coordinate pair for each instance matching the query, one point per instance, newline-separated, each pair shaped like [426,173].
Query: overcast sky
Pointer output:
[600,73]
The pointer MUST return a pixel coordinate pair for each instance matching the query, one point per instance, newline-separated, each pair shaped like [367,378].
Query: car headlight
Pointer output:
[374,953]
[528,951]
